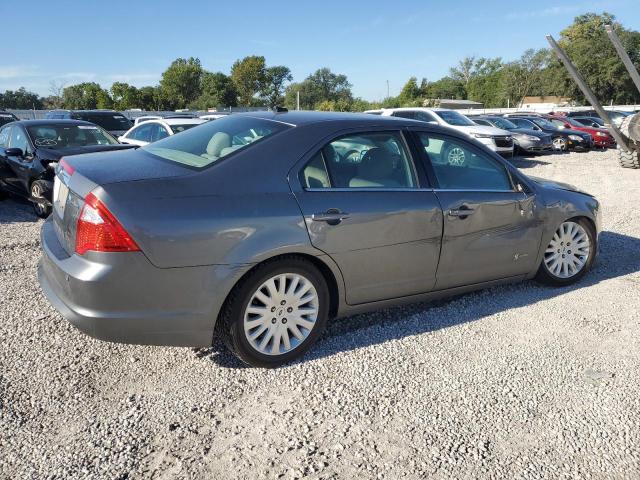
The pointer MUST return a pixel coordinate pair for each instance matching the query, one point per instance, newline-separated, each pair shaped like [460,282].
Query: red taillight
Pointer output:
[100,231]
[66,167]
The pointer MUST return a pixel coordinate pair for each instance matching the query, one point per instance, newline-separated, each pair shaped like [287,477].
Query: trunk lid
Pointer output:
[78,175]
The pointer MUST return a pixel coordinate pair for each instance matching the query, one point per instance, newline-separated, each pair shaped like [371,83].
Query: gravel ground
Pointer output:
[520,381]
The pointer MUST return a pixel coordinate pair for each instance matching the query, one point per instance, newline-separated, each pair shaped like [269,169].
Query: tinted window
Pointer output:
[404,114]
[523,123]
[199,147]
[18,139]
[503,123]
[62,136]
[4,137]
[479,121]
[457,165]
[365,160]
[314,174]
[453,118]
[558,123]
[108,121]
[542,123]
[143,132]
[161,133]
[425,117]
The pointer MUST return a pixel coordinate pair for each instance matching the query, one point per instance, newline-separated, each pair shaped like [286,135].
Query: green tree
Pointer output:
[410,93]
[86,96]
[520,77]
[586,43]
[146,98]
[125,96]
[218,90]
[274,85]
[20,99]
[322,85]
[180,82]
[446,87]
[249,77]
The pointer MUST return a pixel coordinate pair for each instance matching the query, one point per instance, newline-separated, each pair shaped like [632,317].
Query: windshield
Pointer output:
[454,118]
[182,128]
[108,121]
[211,141]
[64,136]
[542,123]
[503,123]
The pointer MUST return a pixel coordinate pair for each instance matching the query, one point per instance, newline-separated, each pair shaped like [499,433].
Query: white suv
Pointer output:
[151,130]
[498,140]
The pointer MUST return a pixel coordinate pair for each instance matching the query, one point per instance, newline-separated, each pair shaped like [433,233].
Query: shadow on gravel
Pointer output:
[619,255]
[14,209]
[524,162]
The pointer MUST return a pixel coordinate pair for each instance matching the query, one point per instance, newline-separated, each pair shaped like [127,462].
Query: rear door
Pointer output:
[492,229]
[367,205]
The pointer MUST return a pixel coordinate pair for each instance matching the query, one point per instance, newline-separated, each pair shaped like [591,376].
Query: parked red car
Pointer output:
[601,136]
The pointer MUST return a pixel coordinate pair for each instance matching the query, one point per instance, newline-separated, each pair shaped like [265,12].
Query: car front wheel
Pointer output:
[569,254]
[560,144]
[37,194]
[277,313]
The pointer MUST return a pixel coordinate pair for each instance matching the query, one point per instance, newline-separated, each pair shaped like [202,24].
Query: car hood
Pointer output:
[126,165]
[55,154]
[482,129]
[543,182]
[569,131]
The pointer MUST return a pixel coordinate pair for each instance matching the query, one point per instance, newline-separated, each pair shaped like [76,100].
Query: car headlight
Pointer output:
[576,138]
[601,134]
[481,135]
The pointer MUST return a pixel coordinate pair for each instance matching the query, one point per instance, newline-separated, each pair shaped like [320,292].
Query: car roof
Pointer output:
[304,117]
[43,122]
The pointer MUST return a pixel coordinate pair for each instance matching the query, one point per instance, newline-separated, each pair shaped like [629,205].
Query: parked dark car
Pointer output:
[600,136]
[525,139]
[562,139]
[616,116]
[596,122]
[259,227]
[31,149]
[6,117]
[112,121]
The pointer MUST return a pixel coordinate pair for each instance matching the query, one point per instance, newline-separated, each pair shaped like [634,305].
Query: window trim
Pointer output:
[406,138]
[431,172]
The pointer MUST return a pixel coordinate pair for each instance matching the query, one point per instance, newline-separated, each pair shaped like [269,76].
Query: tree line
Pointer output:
[253,83]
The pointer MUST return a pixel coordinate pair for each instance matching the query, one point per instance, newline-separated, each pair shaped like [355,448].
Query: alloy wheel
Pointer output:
[36,192]
[568,251]
[456,156]
[281,314]
[559,143]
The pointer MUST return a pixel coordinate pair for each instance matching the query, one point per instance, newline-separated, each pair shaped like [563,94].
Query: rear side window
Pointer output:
[364,160]
[458,166]
[205,144]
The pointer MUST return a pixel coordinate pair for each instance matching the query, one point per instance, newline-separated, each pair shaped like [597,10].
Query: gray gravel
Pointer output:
[515,382]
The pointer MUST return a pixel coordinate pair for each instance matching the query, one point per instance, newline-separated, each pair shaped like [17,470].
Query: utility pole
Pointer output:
[388,89]
[298,100]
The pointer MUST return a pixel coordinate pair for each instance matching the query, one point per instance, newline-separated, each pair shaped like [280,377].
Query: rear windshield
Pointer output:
[183,127]
[64,136]
[211,141]
[108,121]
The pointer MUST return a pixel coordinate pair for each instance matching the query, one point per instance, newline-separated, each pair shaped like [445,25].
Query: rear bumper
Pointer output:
[122,297]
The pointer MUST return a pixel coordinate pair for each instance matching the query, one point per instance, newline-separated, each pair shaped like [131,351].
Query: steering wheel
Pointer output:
[352,156]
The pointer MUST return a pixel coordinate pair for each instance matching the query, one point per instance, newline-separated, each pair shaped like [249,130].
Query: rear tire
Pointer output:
[628,159]
[569,255]
[276,313]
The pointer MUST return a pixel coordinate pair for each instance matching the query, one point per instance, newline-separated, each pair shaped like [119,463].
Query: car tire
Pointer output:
[572,234]
[37,190]
[254,322]
[628,159]
[560,144]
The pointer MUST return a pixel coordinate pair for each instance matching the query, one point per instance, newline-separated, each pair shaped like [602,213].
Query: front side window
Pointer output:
[4,137]
[19,140]
[459,166]
[363,160]
[211,141]
[558,123]
[142,133]
[62,136]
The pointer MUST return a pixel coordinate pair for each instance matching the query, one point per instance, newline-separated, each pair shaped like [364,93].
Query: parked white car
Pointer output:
[214,116]
[498,140]
[152,130]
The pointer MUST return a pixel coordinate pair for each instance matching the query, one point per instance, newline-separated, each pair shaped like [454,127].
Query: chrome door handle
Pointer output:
[332,216]
[461,212]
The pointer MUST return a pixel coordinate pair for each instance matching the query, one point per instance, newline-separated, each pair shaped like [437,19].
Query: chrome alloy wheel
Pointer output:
[281,314]
[559,144]
[568,251]
[456,157]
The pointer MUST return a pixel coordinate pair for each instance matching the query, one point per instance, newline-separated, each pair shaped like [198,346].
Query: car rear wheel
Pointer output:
[560,144]
[569,254]
[37,194]
[277,313]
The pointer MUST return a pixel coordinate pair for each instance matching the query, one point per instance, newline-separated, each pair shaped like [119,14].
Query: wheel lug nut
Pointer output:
[274,320]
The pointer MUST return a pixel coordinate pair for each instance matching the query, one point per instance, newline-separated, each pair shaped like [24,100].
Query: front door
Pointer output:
[491,227]
[363,205]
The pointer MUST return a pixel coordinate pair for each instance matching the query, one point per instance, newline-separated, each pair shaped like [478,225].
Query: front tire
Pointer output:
[277,313]
[560,144]
[37,193]
[569,255]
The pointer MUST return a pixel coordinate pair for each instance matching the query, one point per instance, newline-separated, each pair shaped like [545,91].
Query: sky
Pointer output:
[372,42]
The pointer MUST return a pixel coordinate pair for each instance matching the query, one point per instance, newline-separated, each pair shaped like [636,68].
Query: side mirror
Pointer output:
[13,152]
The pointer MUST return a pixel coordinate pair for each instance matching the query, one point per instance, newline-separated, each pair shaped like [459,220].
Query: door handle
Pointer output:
[333,216]
[461,212]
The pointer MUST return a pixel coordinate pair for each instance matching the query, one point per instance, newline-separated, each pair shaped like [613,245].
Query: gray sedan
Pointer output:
[261,227]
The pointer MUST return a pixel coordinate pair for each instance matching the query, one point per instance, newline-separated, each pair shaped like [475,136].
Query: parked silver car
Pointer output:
[259,227]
